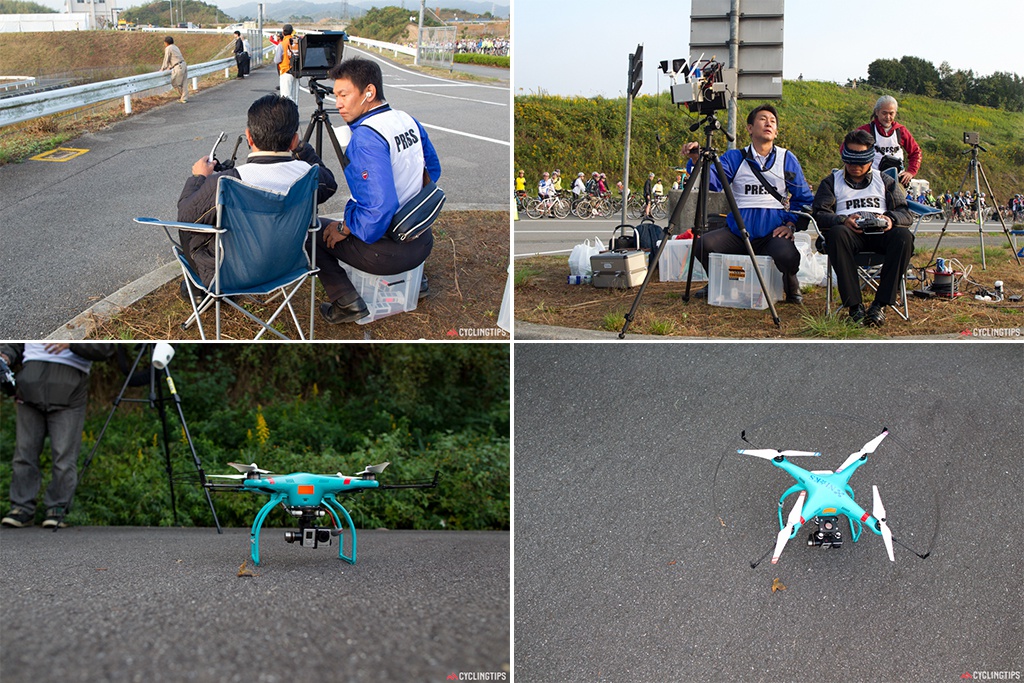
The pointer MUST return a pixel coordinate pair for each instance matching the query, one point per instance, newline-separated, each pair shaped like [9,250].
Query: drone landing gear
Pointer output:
[308,535]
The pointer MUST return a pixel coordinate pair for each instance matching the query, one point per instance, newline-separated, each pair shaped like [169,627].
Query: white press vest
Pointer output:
[274,177]
[886,145]
[402,134]
[871,199]
[750,193]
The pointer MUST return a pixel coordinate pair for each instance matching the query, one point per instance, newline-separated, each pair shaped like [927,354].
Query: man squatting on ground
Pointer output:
[390,160]
[277,160]
[53,387]
[769,222]
[844,196]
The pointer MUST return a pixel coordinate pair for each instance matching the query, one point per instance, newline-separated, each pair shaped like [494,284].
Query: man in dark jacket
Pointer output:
[241,56]
[854,192]
[53,385]
[277,160]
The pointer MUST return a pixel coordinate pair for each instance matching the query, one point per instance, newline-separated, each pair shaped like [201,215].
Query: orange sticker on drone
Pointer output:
[305,489]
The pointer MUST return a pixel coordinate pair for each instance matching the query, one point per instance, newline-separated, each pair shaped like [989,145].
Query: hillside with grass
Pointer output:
[587,134]
[158,14]
[103,54]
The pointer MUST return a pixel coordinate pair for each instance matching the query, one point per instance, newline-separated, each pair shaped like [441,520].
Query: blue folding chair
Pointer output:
[259,241]
[923,212]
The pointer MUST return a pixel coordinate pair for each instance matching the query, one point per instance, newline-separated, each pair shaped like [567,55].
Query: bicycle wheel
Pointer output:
[634,208]
[605,208]
[533,208]
[561,207]
[658,211]
[584,209]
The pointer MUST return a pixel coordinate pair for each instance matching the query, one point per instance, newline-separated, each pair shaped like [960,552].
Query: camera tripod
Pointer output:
[974,168]
[157,399]
[317,122]
[702,173]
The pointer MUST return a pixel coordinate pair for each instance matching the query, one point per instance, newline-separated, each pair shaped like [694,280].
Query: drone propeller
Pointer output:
[246,469]
[878,512]
[227,476]
[786,531]
[868,449]
[771,453]
[373,469]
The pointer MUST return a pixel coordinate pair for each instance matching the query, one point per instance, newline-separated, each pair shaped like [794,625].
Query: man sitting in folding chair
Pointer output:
[278,172]
[278,158]
[845,202]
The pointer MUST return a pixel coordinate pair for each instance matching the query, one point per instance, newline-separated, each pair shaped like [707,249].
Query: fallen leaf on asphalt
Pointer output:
[242,571]
[777,585]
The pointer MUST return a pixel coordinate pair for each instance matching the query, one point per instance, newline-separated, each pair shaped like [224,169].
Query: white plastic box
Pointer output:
[734,284]
[386,294]
[675,259]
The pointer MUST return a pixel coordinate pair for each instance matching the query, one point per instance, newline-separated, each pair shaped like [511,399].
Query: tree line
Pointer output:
[1001,90]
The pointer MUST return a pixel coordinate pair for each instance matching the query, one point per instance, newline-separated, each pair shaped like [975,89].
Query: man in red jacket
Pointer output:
[893,139]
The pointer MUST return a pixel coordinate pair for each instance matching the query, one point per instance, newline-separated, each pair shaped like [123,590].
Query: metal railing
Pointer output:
[27,107]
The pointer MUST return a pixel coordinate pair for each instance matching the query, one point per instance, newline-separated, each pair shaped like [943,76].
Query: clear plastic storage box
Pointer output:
[733,283]
[386,294]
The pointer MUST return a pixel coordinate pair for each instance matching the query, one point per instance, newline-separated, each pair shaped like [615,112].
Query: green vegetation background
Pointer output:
[302,407]
[576,134]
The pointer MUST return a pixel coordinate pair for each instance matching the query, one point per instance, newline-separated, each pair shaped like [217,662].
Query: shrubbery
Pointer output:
[486,60]
[311,408]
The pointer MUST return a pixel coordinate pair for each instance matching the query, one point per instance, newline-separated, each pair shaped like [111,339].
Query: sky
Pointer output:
[582,48]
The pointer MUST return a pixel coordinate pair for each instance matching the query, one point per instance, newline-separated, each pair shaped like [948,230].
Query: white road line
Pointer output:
[468,135]
[416,73]
[406,88]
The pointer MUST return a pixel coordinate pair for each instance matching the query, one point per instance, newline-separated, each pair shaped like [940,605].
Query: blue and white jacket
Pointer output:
[387,154]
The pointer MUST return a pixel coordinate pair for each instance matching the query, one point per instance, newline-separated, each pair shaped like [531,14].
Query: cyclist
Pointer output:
[556,180]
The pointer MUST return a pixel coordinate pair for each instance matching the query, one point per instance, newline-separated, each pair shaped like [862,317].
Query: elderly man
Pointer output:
[761,176]
[175,63]
[847,195]
[892,139]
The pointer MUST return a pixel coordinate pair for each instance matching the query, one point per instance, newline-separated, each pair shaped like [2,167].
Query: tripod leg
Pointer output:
[677,213]
[942,234]
[192,448]
[995,203]
[746,238]
[157,396]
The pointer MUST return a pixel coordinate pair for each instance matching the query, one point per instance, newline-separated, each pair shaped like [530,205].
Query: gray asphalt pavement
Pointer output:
[635,520]
[67,231]
[148,604]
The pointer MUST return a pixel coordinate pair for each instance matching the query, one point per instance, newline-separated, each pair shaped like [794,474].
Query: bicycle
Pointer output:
[557,206]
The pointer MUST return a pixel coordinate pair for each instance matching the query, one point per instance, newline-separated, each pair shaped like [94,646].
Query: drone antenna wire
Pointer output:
[923,557]
[753,565]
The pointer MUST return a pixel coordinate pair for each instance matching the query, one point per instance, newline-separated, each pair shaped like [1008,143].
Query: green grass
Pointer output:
[661,327]
[524,274]
[323,408]
[486,60]
[614,321]
[586,134]
[832,326]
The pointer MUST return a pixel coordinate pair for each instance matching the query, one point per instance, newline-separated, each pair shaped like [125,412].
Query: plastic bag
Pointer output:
[812,264]
[579,259]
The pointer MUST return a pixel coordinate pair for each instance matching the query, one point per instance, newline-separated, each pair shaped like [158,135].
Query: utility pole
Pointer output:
[419,35]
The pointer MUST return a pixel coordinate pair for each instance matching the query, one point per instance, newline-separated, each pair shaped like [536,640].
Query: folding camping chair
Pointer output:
[869,268]
[259,242]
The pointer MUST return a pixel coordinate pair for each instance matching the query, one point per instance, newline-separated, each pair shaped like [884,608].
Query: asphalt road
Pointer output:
[146,604]
[635,521]
[67,231]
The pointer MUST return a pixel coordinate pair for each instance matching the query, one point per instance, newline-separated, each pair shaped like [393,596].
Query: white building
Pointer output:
[26,23]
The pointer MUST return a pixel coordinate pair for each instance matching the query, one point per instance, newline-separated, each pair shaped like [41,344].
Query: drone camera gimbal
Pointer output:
[828,534]
[309,535]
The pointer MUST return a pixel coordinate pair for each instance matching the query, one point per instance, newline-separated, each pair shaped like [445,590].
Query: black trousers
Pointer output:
[383,257]
[843,244]
[723,241]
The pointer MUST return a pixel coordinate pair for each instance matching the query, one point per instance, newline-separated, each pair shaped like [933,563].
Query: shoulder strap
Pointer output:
[764,181]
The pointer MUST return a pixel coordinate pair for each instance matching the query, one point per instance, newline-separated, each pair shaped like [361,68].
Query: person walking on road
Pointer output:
[175,63]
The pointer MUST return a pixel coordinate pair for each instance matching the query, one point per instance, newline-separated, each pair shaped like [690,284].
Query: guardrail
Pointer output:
[32,106]
[396,49]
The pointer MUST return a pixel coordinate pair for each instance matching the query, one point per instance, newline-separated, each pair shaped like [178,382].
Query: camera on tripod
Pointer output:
[704,85]
[320,52]
[972,138]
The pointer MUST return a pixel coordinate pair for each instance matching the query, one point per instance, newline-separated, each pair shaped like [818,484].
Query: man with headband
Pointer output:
[766,181]
[854,192]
